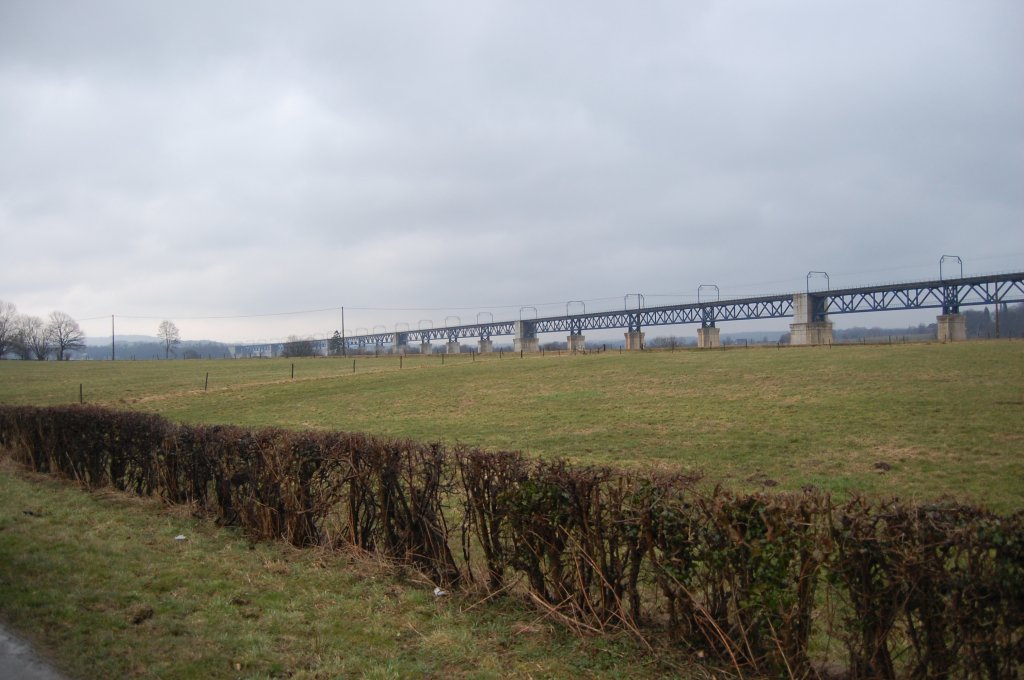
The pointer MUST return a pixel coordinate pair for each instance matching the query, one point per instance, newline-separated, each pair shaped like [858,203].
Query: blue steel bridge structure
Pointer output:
[808,309]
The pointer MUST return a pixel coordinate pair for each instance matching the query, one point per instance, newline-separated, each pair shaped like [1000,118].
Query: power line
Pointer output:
[334,309]
[231,316]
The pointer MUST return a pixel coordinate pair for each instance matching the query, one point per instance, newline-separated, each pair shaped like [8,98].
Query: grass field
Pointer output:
[918,421]
[99,583]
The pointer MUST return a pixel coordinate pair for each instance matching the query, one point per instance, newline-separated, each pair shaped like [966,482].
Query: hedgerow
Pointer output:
[746,580]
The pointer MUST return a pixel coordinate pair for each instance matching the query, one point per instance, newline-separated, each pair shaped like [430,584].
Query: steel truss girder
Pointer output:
[671,315]
[947,294]
[455,333]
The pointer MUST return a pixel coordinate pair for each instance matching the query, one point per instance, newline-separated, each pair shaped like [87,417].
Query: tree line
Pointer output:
[59,336]
[31,337]
[1006,322]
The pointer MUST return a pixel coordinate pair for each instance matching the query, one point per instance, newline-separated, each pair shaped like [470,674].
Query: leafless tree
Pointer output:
[299,347]
[170,336]
[8,327]
[64,334]
[32,342]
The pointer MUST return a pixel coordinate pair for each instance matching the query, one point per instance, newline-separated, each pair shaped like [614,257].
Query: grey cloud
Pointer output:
[244,157]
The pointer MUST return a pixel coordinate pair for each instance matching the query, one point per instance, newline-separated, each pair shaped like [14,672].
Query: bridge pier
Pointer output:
[526,337]
[401,344]
[576,343]
[635,340]
[708,337]
[486,346]
[810,325]
[453,347]
[952,328]
[526,345]
[816,333]
[426,348]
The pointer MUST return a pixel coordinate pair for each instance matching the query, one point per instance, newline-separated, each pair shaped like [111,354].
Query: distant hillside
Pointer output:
[105,341]
[126,348]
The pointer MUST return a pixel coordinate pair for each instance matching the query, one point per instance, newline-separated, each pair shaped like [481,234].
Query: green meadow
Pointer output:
[917,421]
[99,583]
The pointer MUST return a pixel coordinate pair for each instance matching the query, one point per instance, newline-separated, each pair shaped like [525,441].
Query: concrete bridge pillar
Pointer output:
[453,347]
[426,348]
[810,325]
[486,346]
[952,328]
[401,344]
[708,337]
[526,344]
[635,340]
[526,337]
[816,333]
[576,343]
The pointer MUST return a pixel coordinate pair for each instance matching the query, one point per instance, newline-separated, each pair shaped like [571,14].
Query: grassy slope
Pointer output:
[946,419]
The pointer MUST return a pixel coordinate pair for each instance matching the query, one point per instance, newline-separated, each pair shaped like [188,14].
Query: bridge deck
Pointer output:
[946,294]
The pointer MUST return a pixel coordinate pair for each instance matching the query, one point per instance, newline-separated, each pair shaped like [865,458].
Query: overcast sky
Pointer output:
[415,161]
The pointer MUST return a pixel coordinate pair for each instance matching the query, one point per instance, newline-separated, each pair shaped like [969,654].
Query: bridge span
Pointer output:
[810,311]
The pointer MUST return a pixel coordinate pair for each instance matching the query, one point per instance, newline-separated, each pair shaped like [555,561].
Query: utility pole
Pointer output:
[112,350]
[344,350]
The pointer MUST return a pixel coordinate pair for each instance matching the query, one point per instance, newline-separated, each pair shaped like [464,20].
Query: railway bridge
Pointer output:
[809,310]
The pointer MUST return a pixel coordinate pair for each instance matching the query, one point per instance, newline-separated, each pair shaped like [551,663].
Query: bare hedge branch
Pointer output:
[916,591]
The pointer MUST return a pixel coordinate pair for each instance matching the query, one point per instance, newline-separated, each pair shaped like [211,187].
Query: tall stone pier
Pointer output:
[576,343]
[453,347]
[635,340]
[952,328]
[526,337]
[486,346]
[401,344]
[708,337]
[810,325]
[526,345]
[426,348]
